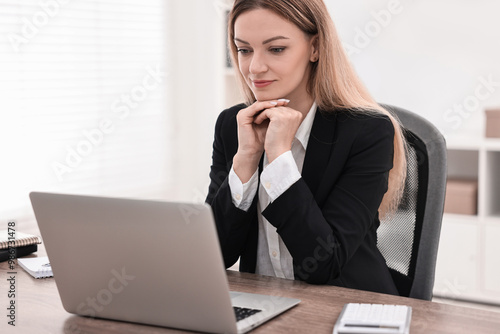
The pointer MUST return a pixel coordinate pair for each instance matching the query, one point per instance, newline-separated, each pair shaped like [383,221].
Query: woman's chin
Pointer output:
[265,97]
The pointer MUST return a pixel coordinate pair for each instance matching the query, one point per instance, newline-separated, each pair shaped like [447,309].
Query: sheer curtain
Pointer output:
[84,100]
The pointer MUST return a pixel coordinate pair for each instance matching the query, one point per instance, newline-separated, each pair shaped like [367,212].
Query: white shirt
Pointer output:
[273,258]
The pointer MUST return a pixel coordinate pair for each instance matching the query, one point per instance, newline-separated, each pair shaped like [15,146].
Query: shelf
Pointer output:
[472,219]
[472,238]
[464,143]
[492,220]
[457,263]
[491,278]
[472,143]
[468,219]
[492,144]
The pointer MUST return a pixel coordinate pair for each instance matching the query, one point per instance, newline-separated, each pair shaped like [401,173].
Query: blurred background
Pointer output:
[120,98]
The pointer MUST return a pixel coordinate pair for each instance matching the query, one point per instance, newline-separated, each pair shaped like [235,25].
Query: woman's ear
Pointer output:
[314,50]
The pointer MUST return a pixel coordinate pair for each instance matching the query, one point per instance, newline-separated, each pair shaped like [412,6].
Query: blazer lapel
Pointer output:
[319,150]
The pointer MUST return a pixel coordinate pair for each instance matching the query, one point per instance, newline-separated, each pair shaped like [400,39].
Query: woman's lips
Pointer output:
[261,83]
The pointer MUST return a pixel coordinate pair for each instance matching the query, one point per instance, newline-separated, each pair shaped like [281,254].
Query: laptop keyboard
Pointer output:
[242,312]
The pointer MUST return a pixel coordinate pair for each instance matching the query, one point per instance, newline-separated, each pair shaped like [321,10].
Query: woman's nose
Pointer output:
[257,64]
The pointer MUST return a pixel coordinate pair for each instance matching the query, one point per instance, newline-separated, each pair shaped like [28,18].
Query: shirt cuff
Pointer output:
[243,194]
[280,175]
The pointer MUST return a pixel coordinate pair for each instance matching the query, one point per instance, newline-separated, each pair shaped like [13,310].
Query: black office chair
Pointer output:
[409,239]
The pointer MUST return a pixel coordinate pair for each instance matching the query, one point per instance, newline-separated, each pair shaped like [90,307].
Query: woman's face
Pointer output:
[274,55]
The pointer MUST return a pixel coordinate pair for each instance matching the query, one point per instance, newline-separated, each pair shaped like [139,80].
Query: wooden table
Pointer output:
[39,309]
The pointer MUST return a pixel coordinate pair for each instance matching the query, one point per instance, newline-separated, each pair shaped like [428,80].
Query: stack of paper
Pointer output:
[38,267]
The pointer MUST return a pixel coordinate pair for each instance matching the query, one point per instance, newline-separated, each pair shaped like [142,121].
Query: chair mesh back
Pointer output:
[399,234]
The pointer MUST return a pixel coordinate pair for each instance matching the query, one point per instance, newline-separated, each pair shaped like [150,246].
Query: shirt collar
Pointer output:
[305,127]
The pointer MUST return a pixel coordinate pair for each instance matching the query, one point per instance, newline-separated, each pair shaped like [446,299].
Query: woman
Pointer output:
[301,172]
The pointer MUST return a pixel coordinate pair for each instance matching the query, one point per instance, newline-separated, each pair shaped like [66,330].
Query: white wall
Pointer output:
[429,57]
[195,84]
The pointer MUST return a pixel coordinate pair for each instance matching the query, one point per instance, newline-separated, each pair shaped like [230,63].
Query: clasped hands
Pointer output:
[268,126]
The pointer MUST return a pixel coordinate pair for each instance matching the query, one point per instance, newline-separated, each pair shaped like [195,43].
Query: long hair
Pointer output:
[332,83]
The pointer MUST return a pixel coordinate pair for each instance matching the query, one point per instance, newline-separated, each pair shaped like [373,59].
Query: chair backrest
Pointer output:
[409,239]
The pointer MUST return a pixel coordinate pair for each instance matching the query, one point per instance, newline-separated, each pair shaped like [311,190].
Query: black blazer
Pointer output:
[328,219]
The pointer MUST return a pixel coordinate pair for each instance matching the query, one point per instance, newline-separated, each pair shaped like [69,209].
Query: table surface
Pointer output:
[39,309]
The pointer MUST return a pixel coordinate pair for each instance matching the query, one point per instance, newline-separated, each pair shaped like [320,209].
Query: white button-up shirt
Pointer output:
[273,258]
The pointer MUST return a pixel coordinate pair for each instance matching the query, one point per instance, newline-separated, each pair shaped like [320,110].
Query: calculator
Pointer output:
[373,319]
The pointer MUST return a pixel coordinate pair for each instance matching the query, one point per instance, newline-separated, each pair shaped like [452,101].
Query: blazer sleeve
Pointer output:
[323,239]
[233,224]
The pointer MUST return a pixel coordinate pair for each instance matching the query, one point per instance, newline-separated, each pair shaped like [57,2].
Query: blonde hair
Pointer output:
[333,83]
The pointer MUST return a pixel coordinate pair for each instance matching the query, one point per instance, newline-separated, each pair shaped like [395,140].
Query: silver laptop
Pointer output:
[150,262]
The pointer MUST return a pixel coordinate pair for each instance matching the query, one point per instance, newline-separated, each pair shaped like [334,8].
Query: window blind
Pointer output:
[83,100]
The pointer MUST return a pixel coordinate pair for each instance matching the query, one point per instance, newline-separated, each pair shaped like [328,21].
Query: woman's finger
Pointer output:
[278,111]
[256,108]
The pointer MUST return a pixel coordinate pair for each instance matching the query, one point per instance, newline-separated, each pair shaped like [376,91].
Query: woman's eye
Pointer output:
[277,50]
[243,51]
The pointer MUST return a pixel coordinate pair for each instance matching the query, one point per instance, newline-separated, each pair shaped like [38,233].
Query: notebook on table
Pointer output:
[151,262]
[38,267]
[22,244]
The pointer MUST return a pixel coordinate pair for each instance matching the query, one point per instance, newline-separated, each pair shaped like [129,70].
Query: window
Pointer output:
[84,96]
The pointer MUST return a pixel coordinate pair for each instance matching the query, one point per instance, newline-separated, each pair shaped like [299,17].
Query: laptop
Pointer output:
[150,262]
